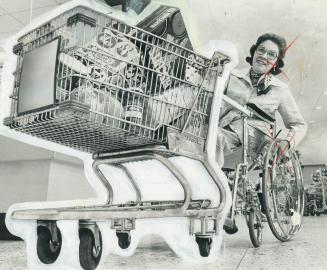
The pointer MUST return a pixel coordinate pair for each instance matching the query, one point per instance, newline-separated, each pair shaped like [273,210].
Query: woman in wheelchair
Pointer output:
[259,85]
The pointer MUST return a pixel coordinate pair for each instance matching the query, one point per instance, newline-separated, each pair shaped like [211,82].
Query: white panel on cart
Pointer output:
[37,79]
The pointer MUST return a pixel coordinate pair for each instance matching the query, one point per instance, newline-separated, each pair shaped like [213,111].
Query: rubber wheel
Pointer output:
[89,258]
[283,192]
[255,228]
[124,239]
[312,213]
[47,250]
[230,230]
[318,214]
[204,245]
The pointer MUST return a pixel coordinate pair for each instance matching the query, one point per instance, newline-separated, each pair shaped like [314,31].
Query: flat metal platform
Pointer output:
[198,208]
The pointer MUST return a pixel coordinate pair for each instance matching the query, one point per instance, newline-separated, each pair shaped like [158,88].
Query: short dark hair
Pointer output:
[261,174]
[280,42]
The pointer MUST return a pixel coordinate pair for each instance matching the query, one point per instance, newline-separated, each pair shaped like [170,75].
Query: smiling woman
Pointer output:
[265,57]
[267,54]
[259,89]
[260,86]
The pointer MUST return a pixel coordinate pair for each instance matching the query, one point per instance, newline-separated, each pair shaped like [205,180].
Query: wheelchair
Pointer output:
[282,199]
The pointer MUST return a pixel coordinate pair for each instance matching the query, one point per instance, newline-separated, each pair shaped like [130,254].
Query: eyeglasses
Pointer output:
[271,55]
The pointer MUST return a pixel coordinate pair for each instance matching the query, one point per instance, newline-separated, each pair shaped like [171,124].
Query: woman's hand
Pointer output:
[283,147]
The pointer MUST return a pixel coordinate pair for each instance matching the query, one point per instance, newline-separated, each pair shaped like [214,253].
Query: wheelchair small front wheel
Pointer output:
[283,193]
[255,227]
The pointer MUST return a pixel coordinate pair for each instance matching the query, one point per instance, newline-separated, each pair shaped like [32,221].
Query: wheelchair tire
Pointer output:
[255,228]
[283,192]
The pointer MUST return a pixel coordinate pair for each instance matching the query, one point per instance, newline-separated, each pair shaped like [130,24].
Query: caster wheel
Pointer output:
[47,250]
[124,239]
[231,230]
[89,254]
[255,227]
[204,245]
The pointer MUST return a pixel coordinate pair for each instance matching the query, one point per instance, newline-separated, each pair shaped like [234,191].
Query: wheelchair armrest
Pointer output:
[260,112]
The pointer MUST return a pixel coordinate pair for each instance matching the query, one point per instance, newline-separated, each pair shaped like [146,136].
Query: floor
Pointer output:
[308,250]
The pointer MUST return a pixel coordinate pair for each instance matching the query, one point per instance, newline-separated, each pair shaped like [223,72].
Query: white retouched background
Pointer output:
[238,21]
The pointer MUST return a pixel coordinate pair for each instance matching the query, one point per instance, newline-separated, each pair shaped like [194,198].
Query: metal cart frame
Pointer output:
[85,123]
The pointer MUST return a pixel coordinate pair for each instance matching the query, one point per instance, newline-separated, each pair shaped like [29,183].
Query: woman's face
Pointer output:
[265,57]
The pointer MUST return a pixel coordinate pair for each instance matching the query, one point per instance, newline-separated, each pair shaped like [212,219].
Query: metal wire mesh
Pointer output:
[132,85]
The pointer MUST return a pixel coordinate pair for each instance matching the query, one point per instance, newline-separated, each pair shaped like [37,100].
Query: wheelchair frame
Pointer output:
[250,203]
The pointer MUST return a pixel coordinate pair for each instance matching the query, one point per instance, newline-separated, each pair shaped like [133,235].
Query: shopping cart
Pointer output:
[123,95]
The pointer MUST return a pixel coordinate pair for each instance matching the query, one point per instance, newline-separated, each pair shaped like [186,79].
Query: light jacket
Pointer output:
[279,98]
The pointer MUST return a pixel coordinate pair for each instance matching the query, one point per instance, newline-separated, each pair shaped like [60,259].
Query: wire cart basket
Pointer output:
[93,83]
[115,86]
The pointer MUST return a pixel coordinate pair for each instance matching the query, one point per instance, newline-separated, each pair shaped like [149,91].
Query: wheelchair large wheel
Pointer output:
[283,192]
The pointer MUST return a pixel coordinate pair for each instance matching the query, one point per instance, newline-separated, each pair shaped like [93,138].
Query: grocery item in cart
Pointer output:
[167,22]
[162,64]
[101,100]
[72,63]
[117,45]
[196,74]
[134,105]
[170,105]
[106,55]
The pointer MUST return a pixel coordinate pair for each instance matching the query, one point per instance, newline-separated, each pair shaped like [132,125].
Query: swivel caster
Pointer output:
[90,248]
[124,239]
[48,243]
[204,244]
[230,226]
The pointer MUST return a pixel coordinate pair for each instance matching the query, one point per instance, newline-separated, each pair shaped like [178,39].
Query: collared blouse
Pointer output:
[278,98]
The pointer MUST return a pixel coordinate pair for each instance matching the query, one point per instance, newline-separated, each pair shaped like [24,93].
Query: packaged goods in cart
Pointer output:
[169,106]
[103,57]
[162,64]
[195,72]
[101,100]
[118,46]
[155,68]
[113,77]
[134,105]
